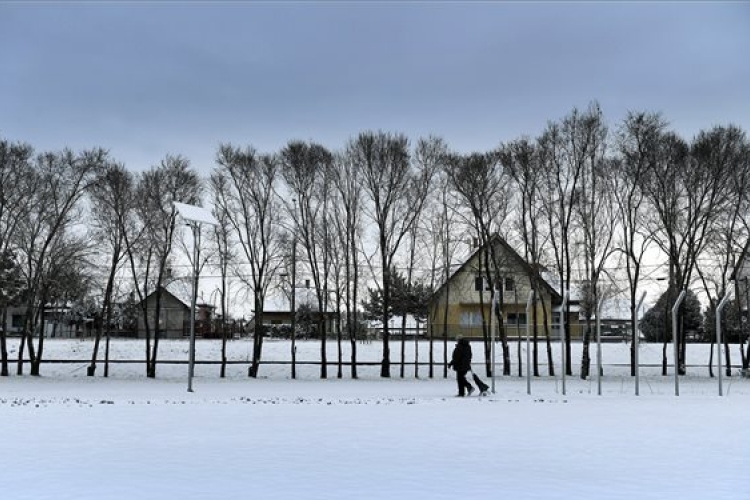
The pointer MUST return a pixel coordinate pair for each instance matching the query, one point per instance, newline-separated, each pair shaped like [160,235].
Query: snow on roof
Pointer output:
[196,214]
[612,308]
[395,321]
[181,290]
[553,281]
[616,309]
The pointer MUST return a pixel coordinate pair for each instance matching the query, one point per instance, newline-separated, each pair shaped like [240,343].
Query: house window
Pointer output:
[17,320]
[470,318]
[510,284]
[481,283]
[516,319]
[478,283]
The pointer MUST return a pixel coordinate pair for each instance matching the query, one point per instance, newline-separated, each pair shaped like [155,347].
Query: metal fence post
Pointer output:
[675,307]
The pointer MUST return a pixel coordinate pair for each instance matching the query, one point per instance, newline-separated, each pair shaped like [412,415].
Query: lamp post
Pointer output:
[529,304]
[562,335]
[636,340]
[599,346]
[195,216]
[492,331]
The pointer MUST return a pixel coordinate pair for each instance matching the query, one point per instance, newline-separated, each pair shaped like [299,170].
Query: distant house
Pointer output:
[14,320]
[411,327]
[462,304]
[57,322]
[615,320]
[741,277]
[278,320]
[174,316]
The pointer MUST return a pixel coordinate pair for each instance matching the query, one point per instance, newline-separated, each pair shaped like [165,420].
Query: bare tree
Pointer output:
[446,238]
[347,181]
[430,156]
[638,145]
[563,153]
[306,168]
[522,159]
[252,208]
[67,280]
[158,189]
[62,181]
[724,148]
[113,205]
[596,218]
[686,189]
[397,189]
[483,187]
[224,243]
[17,186]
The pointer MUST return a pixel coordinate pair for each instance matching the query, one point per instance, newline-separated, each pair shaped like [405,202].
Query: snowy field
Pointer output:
[68,436]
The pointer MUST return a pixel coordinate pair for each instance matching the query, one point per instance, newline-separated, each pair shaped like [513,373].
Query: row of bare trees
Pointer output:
[590,204]
[71,223]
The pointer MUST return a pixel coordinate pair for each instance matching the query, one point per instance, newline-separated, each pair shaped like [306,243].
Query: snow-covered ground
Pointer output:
[65,435]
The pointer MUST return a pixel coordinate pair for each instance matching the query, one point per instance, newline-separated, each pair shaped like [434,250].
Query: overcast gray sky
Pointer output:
[144,79]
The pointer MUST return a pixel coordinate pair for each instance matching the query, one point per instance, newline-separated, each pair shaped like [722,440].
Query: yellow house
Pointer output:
[462,304]
[741,278]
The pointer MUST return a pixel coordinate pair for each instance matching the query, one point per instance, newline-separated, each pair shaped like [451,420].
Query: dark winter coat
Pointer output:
[461,359]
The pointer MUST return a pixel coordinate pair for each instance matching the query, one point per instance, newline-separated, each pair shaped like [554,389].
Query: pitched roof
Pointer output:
[496,238]
[616,309]
[174,292]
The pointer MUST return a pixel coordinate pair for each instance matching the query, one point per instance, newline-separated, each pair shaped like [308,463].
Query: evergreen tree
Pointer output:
[732,325]
[407,298]
[656,319]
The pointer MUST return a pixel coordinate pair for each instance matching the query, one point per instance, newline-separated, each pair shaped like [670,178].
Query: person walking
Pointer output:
[461,364]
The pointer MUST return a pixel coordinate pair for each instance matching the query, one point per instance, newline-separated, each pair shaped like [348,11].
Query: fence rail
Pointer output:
[328,363]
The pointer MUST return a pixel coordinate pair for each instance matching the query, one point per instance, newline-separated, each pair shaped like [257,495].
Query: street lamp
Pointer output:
[195,216]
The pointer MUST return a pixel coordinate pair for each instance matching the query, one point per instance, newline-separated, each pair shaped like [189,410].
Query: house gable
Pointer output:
[512,265]
[174,313]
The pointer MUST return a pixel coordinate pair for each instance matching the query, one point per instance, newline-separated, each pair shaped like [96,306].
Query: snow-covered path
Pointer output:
[127,437]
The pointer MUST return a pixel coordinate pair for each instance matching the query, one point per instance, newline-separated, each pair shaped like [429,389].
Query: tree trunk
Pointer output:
[37,361]
[92,367]
[403,344]
[224,300]
[586,356]
[323,355]
[431,353]
[416,352]
[355,326]
[547,334]
[728,363]
[339,338]
[106,308]
[257,339]
[21,347]
[518,337]
[385,367]
[151,373]
[4,345]
[106,351]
